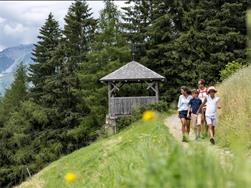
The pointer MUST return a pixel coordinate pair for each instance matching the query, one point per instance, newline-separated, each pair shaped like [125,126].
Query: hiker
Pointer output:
[184,99]
[194,105]
[211,108]
[203,92]
[189,114]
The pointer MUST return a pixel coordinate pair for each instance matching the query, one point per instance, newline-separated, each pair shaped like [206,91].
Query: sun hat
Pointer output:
[211,88]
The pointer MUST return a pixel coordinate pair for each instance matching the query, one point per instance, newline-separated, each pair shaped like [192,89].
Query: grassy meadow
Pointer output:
[235,117]
[143,155]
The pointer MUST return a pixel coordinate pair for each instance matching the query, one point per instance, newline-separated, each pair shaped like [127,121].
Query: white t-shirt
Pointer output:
[183,102]
[211,106]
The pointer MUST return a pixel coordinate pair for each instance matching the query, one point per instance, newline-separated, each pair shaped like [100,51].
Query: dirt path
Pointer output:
[174,126]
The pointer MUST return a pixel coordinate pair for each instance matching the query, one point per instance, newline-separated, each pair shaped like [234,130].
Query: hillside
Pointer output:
[10,58]
[146,155]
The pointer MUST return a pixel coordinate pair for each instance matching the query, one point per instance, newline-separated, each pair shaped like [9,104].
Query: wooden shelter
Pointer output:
[132,72]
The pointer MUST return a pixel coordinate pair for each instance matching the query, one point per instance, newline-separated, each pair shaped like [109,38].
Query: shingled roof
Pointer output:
[132,71]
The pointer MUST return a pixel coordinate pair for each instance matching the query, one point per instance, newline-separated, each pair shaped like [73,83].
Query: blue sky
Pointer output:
[20,20]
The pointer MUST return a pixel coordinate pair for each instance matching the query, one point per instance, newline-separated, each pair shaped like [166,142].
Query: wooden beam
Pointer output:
[109,98]
[115,87]
[151,85]
[157,91]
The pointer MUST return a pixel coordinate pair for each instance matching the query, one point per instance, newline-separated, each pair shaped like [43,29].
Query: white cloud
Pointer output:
[13,30]
[1,20]
[20,20]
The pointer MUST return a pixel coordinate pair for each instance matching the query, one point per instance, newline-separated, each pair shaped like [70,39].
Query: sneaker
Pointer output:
[184,139]
[212,141]
[204,135]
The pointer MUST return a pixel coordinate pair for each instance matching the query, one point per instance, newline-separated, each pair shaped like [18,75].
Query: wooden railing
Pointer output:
[125,105]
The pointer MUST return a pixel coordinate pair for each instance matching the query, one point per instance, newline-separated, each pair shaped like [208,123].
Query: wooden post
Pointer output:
[157,91]
[109,98]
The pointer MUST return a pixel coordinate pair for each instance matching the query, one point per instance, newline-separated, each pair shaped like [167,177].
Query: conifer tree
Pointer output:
[137,16]
[48,40]
[14,95]
[195,39]
[208,29]
[109,51]
[65,97]
[160,54]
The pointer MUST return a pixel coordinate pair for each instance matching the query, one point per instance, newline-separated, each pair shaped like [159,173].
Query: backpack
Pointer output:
[203,91]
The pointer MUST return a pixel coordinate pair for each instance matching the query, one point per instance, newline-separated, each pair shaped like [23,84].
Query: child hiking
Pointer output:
[194,105]
[211,108]
[184,99]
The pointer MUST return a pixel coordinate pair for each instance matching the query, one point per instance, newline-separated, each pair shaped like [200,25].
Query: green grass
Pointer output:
[249,33]
[143,155]
[235,117]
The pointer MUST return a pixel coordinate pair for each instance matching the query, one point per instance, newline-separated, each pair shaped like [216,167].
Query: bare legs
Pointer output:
[188,126]
[198,131]
[211,132]
[204,127]
[185,128]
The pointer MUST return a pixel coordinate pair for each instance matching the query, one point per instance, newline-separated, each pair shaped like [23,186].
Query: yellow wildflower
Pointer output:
[70,177]
[148,115]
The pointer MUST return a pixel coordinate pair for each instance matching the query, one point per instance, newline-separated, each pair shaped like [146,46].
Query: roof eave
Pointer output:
[131,80]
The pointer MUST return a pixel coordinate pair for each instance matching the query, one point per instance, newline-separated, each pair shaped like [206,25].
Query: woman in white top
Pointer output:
[183,106]
[211,108]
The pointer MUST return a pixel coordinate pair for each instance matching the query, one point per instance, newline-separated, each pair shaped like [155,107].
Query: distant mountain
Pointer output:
[10,58]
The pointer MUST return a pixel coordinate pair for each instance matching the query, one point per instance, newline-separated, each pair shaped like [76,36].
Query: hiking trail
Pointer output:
[173,124]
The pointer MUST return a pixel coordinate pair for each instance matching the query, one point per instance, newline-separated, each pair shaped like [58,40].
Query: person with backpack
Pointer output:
[202,94]
[183,106]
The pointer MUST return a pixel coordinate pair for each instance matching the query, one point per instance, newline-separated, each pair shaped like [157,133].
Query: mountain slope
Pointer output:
[10,58]
[144,155]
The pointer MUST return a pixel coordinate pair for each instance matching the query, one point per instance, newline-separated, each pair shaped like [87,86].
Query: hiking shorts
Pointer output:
[183,114]
[211,120]
[196,120]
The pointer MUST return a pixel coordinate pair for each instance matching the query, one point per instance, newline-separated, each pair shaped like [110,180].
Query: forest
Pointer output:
[60,105]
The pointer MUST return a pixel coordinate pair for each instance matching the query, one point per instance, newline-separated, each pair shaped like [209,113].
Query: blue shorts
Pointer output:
[183,114]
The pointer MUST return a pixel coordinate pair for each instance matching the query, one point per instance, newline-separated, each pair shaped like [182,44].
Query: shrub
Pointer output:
[125,121]
[229,69]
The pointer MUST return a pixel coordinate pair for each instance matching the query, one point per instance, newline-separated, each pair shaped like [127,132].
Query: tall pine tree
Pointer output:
[64,87]
[161,53]
[137,16]
[49,37]
[109,52]
[14,95]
